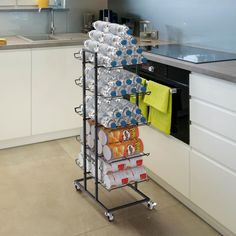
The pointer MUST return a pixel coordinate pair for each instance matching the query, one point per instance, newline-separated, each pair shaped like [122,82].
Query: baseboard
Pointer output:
[38,138]
[194,208]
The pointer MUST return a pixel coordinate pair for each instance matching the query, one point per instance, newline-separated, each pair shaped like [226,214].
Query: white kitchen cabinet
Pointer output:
[7,2]
[15,90]
[169,158]
[54,93]
[213,189]
[213,140]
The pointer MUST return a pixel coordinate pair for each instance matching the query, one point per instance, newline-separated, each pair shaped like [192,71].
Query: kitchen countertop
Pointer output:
[222,70]
[225,70]
[66,39]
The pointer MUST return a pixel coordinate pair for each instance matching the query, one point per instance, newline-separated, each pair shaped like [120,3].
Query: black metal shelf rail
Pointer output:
[81,184]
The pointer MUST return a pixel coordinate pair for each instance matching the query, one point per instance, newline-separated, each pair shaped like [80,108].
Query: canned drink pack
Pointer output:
[114,167]
[109,136]
[116,179]
[125,177]
[124,149]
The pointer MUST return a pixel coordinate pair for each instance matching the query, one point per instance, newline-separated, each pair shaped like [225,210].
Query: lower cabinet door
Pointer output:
[54,93]
[169,158]
[15,93]
[213,188]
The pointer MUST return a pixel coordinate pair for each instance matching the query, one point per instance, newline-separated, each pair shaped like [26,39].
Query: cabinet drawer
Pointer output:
[213,189]
[214,146]
[213,118]
[219,92]
[169,158]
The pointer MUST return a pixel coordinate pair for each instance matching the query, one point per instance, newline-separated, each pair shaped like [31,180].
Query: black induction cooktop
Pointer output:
[190,54]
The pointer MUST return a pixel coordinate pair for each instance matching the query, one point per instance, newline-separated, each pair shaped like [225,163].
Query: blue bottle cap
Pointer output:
[134,61]
[143,89]
[113,63]
[128,113]
[118,115]
[144,60]
[139,51]
[133,121]
[119,53]
[143,120]
[138,80]
[113,93]
[123,42]
[134,41]
[138,111]
[133,90]
[123,92]
[123,123]
[128,81]
[118,83]
[124,62]
[129,51]
[129,31]
[113,125]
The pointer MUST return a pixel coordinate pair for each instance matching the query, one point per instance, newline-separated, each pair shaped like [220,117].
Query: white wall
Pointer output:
[78,7]
[28,22]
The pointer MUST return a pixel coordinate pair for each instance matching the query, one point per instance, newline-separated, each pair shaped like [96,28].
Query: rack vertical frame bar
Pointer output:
[84,120]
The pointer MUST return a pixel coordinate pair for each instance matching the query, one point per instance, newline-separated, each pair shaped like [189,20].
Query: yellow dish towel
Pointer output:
[143,106]
[160,102]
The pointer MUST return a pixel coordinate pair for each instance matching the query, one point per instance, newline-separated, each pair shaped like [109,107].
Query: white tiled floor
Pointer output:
[37,198]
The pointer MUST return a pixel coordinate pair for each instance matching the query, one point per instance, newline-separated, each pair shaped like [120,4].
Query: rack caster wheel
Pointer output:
[151,205]
[77,188]
[109,216]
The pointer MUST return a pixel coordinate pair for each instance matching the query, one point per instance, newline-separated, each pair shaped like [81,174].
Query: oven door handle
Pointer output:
[174,90]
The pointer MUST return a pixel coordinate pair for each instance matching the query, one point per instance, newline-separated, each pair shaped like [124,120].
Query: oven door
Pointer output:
[180,100]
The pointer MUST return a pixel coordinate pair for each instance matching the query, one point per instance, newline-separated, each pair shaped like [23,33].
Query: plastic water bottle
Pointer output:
[121,122]
[131,120]
[114,40]
[120,30]
[92,45]
[131,89]
[142,60]
[137,50]
[107,91]
[131,40]
[107,61]
[133,108]
[101,26]
[140,88]
[128,51]
[109,51]
[97,35]
[140,119]
[107,122]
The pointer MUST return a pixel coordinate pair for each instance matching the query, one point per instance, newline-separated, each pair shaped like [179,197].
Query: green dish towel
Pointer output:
[143,106]
[160,102]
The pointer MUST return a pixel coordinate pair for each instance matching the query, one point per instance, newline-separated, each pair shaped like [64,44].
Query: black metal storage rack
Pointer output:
[82,184]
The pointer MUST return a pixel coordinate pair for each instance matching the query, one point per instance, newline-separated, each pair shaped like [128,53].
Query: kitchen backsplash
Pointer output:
[28,22]
[208,23]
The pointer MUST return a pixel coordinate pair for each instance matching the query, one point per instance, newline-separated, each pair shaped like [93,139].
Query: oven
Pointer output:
[178,80]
